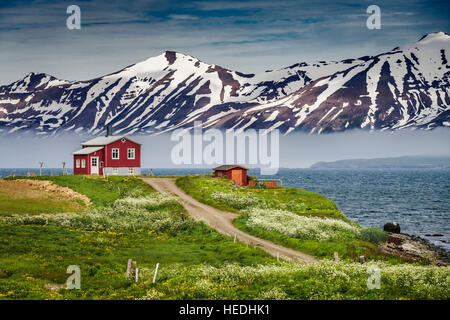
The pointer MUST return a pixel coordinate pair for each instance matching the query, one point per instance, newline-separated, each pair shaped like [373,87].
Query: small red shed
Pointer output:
[233,172]
[110,155]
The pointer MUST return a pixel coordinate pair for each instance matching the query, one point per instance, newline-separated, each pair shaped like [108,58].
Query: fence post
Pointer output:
[133,268]
[336,256]
[128,268]
[156,272]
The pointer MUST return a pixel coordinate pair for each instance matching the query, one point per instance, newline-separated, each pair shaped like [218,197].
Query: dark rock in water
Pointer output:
[434,235]
[393,227]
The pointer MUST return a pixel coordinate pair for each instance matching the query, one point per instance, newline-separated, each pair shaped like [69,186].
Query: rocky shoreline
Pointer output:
[415,249]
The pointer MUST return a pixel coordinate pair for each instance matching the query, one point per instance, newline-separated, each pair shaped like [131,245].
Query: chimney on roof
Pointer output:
[109,130]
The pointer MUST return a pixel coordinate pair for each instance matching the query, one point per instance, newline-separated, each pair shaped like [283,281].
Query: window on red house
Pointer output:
[115,154]
[131,153]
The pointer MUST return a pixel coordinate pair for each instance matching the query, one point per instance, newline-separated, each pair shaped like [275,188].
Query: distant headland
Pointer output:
[405,162]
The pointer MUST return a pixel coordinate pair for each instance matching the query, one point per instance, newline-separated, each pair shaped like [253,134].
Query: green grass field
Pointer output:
[195,262]
[34,254]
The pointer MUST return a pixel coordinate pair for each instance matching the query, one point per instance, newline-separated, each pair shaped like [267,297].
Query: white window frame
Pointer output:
[77,163]
[131,171]
[83,163]
[128,153]
[118,154]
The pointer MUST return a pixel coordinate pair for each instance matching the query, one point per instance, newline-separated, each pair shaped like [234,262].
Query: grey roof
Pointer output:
[87,150]
[103,141]
[229,166]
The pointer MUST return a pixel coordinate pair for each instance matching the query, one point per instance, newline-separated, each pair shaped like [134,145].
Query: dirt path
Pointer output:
[222,221]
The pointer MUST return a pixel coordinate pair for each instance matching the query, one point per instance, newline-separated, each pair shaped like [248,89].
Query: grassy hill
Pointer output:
[128,219]
[302,220]
[32,197]
[137,223]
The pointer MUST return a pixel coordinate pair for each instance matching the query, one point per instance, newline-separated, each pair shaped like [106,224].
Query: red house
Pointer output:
[110,155]
[233,172]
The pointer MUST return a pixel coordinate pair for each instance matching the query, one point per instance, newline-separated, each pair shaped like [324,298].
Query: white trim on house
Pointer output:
[118,154]
[122,171]
[95,165]
[103,141]
[87,150]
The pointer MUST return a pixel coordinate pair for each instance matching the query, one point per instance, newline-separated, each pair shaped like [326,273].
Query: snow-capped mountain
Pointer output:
[406,87]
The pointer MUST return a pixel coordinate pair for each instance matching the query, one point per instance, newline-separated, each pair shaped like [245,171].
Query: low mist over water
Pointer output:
[297,150]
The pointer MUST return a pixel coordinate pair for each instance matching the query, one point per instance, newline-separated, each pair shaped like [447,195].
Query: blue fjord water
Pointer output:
[419,200]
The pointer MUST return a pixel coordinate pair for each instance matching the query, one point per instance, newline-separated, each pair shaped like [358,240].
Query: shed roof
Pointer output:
[87,150]
[227,167]
[103,141]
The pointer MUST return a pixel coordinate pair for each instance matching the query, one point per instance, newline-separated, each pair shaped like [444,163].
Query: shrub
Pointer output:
[326,280]
[236,200]
[26,219]
[273,294]
[122,217]
[301,227]
[373,235]
[294,206]
[148,213]
[153,202]
[260,185]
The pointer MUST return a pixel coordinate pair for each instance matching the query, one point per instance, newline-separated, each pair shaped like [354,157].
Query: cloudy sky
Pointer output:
[249,36]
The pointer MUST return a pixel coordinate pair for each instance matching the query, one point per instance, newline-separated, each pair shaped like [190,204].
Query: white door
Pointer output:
[94,165]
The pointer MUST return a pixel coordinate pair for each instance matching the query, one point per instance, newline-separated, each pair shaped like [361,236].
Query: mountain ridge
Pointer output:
[403,88]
